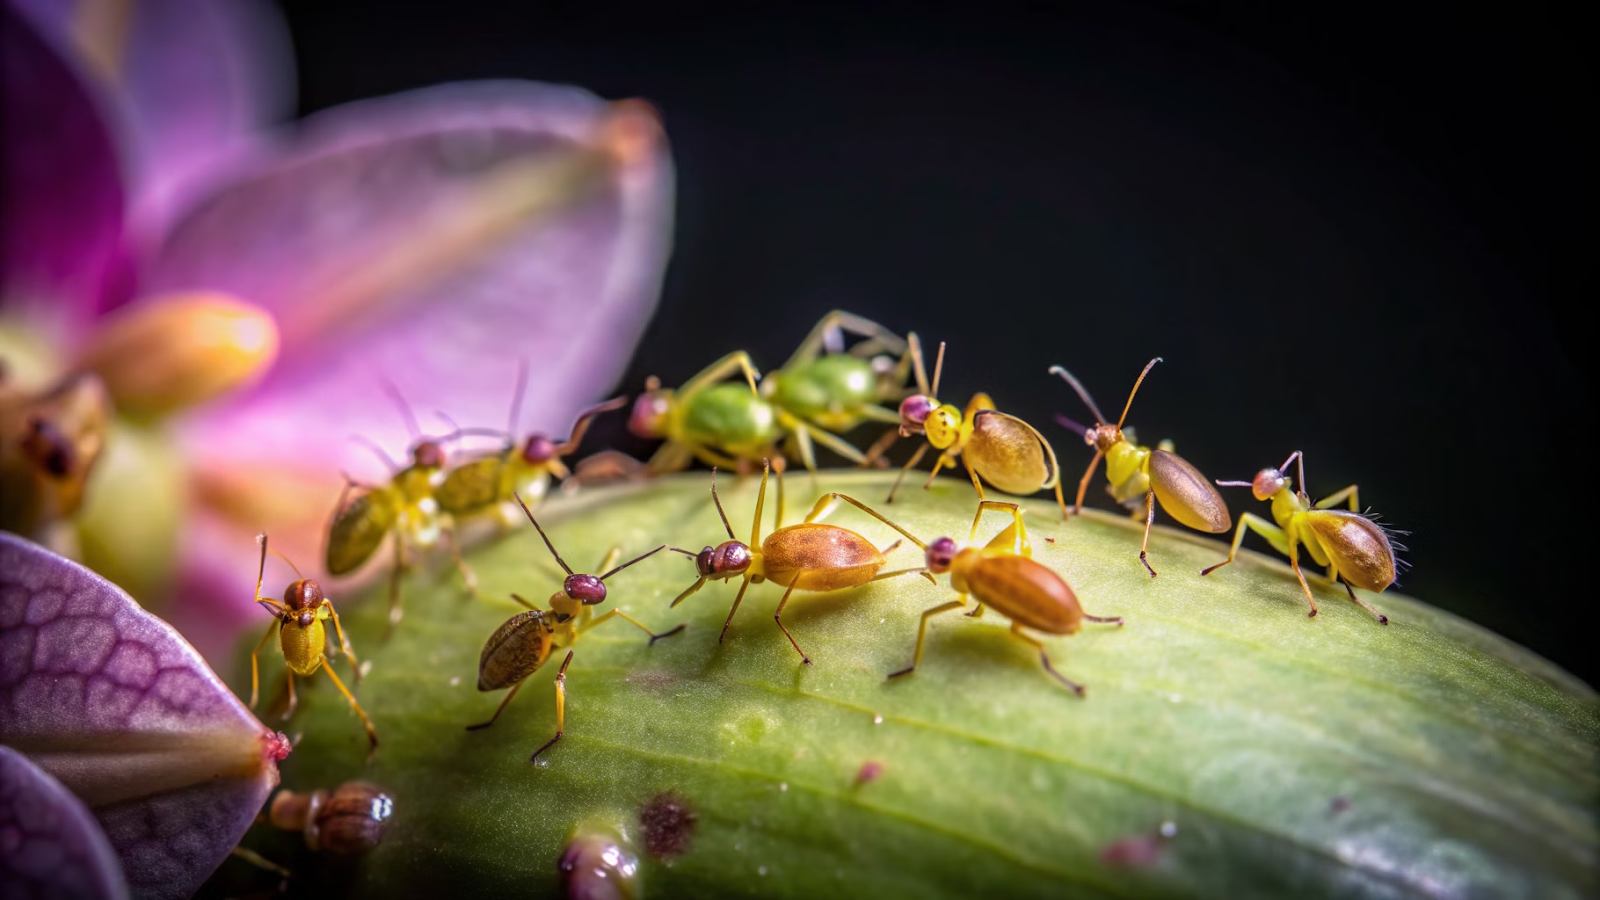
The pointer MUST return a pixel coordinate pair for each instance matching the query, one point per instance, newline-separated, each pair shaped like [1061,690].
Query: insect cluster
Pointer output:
[730,416]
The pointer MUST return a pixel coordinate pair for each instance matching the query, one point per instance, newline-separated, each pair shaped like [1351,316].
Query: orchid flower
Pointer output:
[198,314]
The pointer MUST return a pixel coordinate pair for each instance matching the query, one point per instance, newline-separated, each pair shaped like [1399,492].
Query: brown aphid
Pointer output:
[1142,472]
[995,447]
[1355,549]
[349,821]
[520,646]
[1003,575]
[303,639]
[49,443]
[810,556]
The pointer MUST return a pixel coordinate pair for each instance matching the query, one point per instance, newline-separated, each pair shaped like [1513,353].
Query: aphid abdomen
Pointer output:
[1007,453]
[1025,592]
[472,486]
[1186,495]
[359,528]
[1356,546]
[516,650]
[728,415]
[822,557]
[303,645]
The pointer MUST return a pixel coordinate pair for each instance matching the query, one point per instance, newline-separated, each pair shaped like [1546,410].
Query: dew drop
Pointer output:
[877,719]
[455,681]
[783,786]
[1169,829]
[761,871]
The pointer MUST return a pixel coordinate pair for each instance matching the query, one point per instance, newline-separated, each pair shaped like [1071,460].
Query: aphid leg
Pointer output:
[826,503]
[943,460]
[777,616]
[294,699]
[922,632]
[761,502]
[502,707]
[1382,619]
[372,733]
[737,599]
[1083,483]
[467,575]
[807,451]
[828,439]
[1044,658]
[881,446]
[976,612]
[1103,620]
[1294,563]
[1252,522]
[1016,534]
[344,643]
[255,670]
[738,360]
[883,414]
[1149,521]
[713,458]
[672,457]
[636,623]
[912,464]
[261,862]
[691,589]
[611,557]
[1353,492]
[973,474]
[395,574]
[561,708]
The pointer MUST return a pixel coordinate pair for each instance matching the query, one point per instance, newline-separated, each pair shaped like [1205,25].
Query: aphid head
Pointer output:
[650,411]
[943,426]
[428,454]
[538,450]
[304,595]
[586,589]
[941,553]
[49,449]
[726,559]
[914,412]
[1268,482]
[1103,437]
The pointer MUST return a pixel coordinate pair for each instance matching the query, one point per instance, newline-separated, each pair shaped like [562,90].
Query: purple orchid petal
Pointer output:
[390,244]
[50,844]
[187,84]
[113,703]
[61,217]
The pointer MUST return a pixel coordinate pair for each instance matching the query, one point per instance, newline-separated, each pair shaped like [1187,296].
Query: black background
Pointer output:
[1352,230]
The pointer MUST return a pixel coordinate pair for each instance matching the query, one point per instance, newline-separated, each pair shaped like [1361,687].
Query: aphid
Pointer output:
[1003,575]
[485,482]
[405,508]
[520,646]
[303,638]
[1155,474]
[349,821]
[597,865]
[1355,549]
[1003,450]
[811,556]
[722,424]
[835,389]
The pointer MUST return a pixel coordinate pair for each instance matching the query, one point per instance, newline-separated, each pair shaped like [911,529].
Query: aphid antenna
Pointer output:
[1221,483]
[938,369]
[1071,425]
[718,501]
[516,397]
[581,427]
[261,575]
[1083,394]
[1129,405]
[646,555]
[553,551]
[382,454]
[689,553]
[392,391]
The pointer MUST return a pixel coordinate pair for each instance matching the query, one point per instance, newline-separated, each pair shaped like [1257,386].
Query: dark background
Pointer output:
[1349,229]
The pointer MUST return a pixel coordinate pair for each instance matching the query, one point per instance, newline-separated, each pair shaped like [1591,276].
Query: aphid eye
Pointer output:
[306,618]
[914,411]
[731,558]
[303,594]
[586,589]
[940,554]
[648,418]
[428,455]
[538,449]
[1267,483]
[705,562]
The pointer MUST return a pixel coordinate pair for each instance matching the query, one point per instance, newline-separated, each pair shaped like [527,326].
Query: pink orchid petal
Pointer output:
[113,703]
[187,84]
[50,844]
[353,204]
[61,194]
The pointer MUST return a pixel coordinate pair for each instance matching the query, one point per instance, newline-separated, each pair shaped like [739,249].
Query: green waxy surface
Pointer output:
[1287,755]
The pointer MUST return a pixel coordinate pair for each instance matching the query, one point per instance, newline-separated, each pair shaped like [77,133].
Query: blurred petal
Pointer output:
[49,444]
[51,846]
[62,214]
[434,238]
[189,82]
[169,352]
[113,703]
